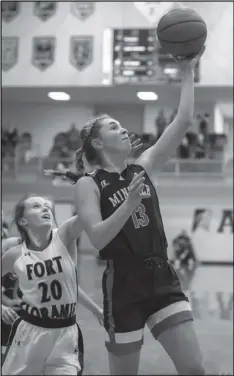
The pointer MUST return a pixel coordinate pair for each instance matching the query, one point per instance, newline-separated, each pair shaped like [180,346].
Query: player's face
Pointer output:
[114,138]
[38,212]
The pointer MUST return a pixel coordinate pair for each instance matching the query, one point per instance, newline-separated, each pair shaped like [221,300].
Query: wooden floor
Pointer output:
[211,296]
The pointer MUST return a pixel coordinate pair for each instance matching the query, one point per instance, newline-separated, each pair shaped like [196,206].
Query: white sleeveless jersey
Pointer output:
[48,280]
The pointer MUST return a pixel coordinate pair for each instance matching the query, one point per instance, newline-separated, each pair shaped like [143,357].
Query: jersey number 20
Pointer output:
[55,291]
[139,217]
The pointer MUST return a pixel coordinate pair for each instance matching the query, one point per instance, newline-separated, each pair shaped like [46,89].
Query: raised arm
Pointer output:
[154,158]
[87,199]
[70,230]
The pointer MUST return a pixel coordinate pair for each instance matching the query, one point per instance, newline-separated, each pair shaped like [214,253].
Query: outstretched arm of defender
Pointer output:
[70,230]
[155,157]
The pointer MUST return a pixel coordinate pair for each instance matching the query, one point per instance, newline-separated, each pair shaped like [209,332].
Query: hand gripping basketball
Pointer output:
[136,193]
[189,61]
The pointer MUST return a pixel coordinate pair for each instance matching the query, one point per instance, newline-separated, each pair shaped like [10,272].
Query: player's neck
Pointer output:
[40,239]
[113,163]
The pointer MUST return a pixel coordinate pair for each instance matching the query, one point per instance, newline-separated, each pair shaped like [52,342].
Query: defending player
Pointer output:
[45,339]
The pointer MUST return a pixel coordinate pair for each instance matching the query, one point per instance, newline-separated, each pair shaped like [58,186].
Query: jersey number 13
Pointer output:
[139,217]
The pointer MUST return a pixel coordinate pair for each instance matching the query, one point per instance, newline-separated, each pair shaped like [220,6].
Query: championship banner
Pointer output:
[81,51]
[10,9]
[43,52]
[9,52]
[210,230]
[44,9]
[82,10]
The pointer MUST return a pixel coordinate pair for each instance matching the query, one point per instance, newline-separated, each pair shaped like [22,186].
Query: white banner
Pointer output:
[154,10]
[210,229]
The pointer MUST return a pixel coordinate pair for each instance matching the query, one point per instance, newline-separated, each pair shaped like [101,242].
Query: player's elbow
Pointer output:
[98,235]
[94,237]
[96,242]
[99,241]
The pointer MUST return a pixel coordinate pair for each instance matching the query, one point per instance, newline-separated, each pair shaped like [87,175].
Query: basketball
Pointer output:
[182,32]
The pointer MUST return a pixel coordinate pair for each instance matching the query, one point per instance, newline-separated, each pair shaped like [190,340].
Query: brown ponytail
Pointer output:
[71,176]
[89,132]
[79,164]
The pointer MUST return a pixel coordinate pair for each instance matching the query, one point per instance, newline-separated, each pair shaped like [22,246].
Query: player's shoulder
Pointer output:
[13,253]
[9,243]
[9,259]
[12,240]
[136,168]
[85,181]
[86,184]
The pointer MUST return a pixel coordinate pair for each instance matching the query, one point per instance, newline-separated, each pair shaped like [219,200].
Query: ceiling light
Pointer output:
[171,71]
[147,95]
[59,96]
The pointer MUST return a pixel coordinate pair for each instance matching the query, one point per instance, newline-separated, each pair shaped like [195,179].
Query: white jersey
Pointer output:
[48,280]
